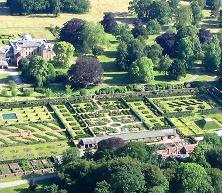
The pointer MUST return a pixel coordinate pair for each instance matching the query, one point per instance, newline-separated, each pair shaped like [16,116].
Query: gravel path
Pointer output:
[25,181]
[199,71]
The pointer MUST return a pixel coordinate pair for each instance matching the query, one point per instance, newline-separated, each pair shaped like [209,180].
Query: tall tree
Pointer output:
[122,62]
[184,16]
[93,36]
[75,6]
[153,27]
[40,70]
[127,178]
[197,12]
[185,51]
[64,52]
[85,72]
[123,33]
[55,7]
[165,64]
[177,69]
[139,30]
[205,36]
[72,32]
[212,57]
[135,50]
[103,187]
[216,176]
[142,70]
[154,52]
[168,42]
[141,8]
[109,23]
[161,11]
[192,178]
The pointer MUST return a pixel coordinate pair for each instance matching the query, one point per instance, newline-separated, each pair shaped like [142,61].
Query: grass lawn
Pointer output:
[24,188]
[188,127]
[36,24]
[5,78]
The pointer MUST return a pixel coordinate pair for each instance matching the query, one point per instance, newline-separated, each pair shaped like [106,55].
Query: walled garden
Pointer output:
[44,128]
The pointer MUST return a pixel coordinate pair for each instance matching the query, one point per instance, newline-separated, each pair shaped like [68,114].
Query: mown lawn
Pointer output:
[24,188]
[36,24]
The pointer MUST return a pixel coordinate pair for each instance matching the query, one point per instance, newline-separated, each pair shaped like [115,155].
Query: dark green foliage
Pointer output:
[149,9]
[26,7]
[177,69]
[141,71]
[154,52]
[174,4]
[212,57]
[102,187]
[128,52]
[75,6]
[216,176]
[121,56]
[37,71]
[109,23]
[161,11]
[153,27]
[197,12]
[123,33]
[71,155]
[164,64]
[214,157]
[139,151]
[192,178]
[139,30]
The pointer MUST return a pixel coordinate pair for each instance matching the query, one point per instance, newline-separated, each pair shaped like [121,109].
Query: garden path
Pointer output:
[26,181]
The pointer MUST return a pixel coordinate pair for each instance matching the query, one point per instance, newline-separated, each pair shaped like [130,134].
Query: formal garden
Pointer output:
[47,127]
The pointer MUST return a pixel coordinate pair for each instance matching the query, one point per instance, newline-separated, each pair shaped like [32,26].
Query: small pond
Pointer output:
[9,116]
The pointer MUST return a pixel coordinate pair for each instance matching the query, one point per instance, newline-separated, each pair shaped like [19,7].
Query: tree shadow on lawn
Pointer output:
[116,79]
[42,16]
[4,11]
[129,21]
[40,187]
[210,24]
[110,54]
[5,80]
[109,66]
[162,78]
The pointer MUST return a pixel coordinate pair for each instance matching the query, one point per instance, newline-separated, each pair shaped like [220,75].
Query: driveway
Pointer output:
[13,73]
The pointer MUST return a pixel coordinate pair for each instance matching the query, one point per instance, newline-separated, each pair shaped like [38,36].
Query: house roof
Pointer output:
[131,136]
[28,42]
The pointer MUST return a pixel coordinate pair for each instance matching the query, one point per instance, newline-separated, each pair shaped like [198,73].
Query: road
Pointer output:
[25,181]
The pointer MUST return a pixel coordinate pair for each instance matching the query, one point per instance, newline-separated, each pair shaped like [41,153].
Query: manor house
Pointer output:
[25,47]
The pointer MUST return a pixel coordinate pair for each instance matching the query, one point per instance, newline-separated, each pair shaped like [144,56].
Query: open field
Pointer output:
[36,24]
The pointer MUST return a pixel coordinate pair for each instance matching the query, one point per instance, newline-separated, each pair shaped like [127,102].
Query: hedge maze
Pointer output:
[44,128]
